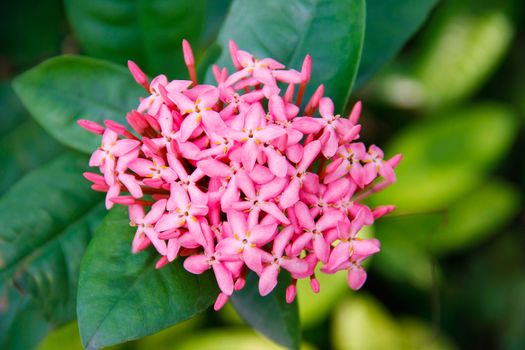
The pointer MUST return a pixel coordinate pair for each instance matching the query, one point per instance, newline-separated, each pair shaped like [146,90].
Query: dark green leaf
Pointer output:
[270,315]
[62,90]
[11,109]
[150,32]
[22,325]
[400,19]
[23,149]
[31,30]
[122,296]
[47,218]
[330,31]
[40,206]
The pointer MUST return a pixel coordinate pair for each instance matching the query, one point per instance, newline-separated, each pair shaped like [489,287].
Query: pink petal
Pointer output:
[249,154]
[169,222]
[301,242]
[321,248]
[229,246]
[173,249]
[262,234]
[136,213]
[260,174]
[254,116]
[264,75]
[269,133]
[295,265]
[237,222]
[196,264]
[277,108]
[188,126]
[281,240]
[159,244]
[272,189]
[156,211]
[252,259]
[268,279]
[214,168]
[303,216]
[310,152]
[141,166]
[307,125]
[184,104]
[224,278]
[273,210]
[326,107]
[276,162]
[209,98]
[329,219]
[288,76]
[290,195]
[356,277]
[213,122]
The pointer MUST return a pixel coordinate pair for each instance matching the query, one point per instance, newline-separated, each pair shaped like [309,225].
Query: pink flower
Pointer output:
[238,176]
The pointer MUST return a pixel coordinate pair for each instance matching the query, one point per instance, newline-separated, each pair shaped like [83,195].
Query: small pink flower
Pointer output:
[238,176]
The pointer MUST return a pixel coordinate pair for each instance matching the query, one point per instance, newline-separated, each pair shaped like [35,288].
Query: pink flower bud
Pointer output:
[91,126]
[291,292]
[138,75]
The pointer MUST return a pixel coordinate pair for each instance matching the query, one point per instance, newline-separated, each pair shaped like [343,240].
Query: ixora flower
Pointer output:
[238,176]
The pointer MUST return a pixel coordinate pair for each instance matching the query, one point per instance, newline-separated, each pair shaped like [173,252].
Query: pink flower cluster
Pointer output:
[237,176]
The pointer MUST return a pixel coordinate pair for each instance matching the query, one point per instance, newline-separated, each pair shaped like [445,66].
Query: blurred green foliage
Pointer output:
[451,273]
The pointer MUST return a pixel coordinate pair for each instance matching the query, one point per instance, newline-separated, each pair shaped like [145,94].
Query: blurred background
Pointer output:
[451,274]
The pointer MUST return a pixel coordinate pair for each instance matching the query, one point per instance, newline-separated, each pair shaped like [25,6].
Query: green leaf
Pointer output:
[361,322]
[448,156]
[40,206]
[33,30]
[406,243]
[150,32]
[12,111]
[230,339]
[47,220]
[330,31]
[22,326]
[62,90]
[23,149]
[471,219]
[400,19]
[270,315]
[116,286]
[468,37]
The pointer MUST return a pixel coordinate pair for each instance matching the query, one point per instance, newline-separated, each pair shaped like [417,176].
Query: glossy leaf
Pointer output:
[23,149]
[116,285]
[150,32]
[400,19]
[330,31]
[47,218]
[468,37]
[12,111]
[62,90]
[448,156]
[22,325]
[40,206]
[406,245]
[476,216]
[270,315]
